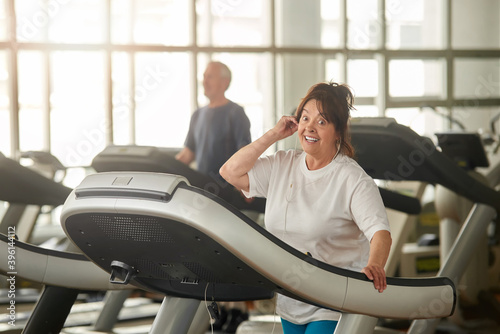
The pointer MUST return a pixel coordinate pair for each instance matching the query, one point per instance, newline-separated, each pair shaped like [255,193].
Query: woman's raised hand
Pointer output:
[286,126]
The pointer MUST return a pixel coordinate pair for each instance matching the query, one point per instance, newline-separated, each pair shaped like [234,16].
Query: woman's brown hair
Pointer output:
[334,102]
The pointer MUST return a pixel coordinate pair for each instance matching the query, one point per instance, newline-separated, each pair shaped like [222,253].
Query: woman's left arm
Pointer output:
[380,246]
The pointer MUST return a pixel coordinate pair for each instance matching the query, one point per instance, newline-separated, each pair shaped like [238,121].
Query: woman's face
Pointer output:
[317,135]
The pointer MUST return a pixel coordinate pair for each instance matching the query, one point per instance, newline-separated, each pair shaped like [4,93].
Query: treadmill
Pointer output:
[387,150]
[159,233]
[26,191]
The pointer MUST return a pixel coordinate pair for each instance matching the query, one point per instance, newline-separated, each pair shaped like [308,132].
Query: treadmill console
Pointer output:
[465,148]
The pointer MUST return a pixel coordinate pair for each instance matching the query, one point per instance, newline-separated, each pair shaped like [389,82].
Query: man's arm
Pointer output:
[185,156]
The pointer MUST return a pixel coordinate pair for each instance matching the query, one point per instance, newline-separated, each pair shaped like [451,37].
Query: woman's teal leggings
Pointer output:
[315,327]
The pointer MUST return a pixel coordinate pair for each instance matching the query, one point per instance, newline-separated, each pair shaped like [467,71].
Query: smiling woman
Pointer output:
[319,200]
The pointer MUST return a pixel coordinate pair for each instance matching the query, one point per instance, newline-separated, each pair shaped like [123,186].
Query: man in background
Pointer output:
[217,130]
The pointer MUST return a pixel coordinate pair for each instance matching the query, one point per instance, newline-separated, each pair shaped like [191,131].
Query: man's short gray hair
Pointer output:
[225,72]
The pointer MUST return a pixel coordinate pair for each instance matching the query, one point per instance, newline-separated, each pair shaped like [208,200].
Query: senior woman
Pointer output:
[319,200]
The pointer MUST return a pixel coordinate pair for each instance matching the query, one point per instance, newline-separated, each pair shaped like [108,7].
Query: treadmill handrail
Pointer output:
[403,203]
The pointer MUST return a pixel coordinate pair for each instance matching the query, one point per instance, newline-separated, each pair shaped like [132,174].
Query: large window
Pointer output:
[123,101]
[475,26]
[162,98]
[164,22]
[32,92]
[477,78]
[4,106]
[424,78]
[362,75]
[415,24]
[79,125]
[76,21]
[364,24]
[4,22]
[233,23]
[78,75]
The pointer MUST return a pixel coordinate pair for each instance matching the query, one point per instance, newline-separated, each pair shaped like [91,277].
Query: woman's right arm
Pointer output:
[235,170]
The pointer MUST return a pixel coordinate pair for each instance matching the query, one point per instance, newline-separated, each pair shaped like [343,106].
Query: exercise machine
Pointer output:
[467,151]
[390,151]
[26,191]
[158,232]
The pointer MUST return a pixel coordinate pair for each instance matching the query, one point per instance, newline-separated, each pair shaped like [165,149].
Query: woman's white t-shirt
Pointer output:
[332,213]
